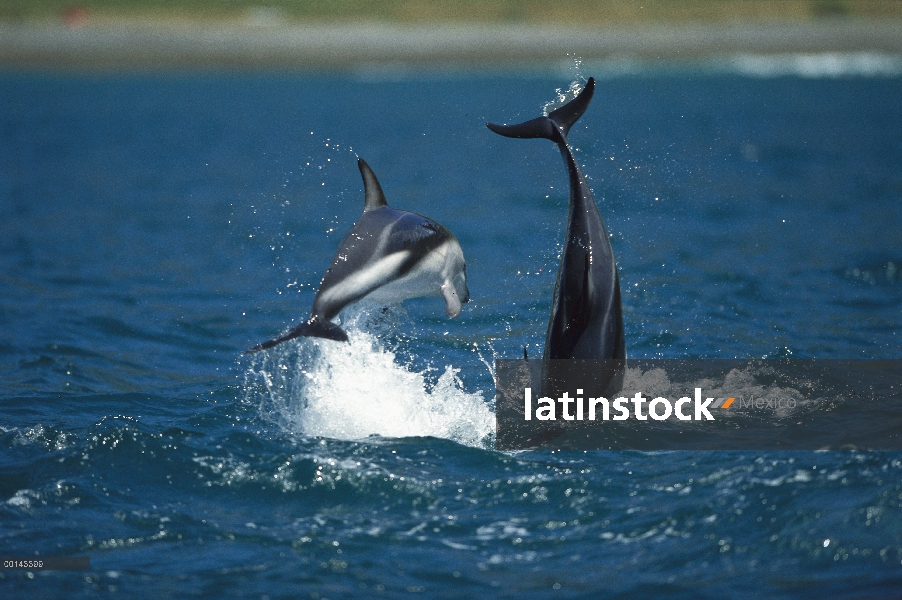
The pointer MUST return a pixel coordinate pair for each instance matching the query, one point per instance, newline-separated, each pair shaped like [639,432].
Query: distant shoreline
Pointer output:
[346,46]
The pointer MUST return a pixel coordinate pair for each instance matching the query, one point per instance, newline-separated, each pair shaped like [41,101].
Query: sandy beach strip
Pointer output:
[354,45]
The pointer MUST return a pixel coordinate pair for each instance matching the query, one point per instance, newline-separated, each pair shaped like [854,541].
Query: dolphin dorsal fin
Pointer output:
[374,198]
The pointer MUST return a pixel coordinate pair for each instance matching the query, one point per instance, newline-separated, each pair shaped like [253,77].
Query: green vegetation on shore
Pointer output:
[587,12]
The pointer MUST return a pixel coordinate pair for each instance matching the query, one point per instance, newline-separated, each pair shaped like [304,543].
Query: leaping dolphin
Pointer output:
[586,317]
[389,256]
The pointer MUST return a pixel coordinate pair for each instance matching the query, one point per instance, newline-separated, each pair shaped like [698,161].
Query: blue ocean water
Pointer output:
[154,226]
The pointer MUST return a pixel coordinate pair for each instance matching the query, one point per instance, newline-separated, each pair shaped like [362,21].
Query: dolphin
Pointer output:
[586,316]
[389,255]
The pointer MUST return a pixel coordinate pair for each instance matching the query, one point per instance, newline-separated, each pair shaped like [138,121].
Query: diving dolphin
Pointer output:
[586,317]
[389,256]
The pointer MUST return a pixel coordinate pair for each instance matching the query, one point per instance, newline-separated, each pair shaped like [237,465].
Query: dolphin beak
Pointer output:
[452,300]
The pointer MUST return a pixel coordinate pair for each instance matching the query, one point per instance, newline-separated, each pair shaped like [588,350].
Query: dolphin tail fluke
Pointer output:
[543,127]
[309,328]
[565,116]
[555,126]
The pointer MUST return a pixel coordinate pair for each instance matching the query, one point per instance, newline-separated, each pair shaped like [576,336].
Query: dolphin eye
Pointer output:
[429,226]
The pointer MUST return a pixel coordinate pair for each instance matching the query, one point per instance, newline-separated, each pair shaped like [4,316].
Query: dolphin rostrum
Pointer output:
[389,255]
[586,317]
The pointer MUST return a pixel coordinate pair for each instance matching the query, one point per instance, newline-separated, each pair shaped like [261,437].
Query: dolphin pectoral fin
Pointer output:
[310,328]
[452,302]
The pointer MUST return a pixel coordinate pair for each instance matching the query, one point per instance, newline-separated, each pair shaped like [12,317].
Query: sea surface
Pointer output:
[155,225]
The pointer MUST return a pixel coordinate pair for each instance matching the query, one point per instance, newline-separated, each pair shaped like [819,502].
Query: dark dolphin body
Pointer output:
[586,318]
[389,256]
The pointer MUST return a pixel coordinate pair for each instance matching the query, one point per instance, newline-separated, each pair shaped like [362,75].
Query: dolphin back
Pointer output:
[556,125]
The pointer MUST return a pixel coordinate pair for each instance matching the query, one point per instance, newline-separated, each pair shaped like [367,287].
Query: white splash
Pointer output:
[354,390]
[562,96]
